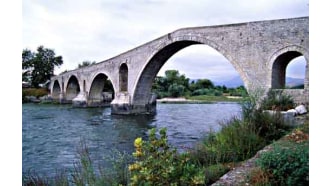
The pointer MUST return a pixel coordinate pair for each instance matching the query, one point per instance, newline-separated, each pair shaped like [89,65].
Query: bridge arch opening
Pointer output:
[289,71]
[56,90]
[144,85]
[101,92]
[123,77]
[72,89]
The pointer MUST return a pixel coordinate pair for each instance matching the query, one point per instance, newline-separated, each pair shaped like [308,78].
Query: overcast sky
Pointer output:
[96,30]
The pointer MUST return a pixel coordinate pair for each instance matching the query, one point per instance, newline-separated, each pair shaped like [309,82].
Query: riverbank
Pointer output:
[252,171]
[201,99]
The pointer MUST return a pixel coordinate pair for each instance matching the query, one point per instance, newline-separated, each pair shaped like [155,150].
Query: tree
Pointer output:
[204,83]
[39,66]
[85,64]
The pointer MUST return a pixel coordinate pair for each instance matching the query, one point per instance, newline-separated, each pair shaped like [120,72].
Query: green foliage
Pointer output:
[176,85]
[240,139]
[158,164]
[204,84]
[213,172]
[287,164]
[36,92]
[277,100]
[176,90]
[86,63]
[39,67]
[268,126]
[235,142]
[172,85]
[34,179]
[84,171]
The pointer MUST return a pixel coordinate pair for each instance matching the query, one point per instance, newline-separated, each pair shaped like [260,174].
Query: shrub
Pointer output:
[268,126]
[37,92]
[259,177]
[287,163]
[213,172]
[240,139]
[158,164]
[235,142]
[277,100]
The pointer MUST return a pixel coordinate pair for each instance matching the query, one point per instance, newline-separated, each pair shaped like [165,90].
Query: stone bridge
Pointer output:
[259,51]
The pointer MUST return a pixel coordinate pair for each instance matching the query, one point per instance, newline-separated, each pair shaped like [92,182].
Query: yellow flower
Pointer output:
[133,167]
[138,142]
[138,153]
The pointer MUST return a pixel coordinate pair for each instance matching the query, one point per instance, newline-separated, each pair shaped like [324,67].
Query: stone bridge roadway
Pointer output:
[259,51]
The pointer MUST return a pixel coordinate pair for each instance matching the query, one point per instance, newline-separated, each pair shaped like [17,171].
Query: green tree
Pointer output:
[39,67]
[204,83]
[176,90]
[173,84]
[85,64]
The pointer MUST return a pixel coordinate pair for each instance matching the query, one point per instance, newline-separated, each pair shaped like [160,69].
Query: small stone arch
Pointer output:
[280,60]
[72,88]
[56,90]
[123,77]
[95,93]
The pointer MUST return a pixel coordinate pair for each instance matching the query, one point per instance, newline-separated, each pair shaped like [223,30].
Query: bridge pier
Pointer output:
[62,98]
[80,100]
[121,105]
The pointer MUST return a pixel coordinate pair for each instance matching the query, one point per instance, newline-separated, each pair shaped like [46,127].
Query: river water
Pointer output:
[52,133]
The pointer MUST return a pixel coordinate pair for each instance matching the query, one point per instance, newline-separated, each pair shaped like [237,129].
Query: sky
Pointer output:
[100,29]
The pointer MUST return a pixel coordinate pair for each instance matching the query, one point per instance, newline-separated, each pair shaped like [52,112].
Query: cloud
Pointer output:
[100,29]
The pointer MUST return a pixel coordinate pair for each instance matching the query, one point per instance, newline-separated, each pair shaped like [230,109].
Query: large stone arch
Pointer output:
[142,87]
[56,90]
[279,61]
[72,88]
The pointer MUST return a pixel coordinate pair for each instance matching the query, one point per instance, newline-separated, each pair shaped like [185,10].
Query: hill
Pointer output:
[237,81]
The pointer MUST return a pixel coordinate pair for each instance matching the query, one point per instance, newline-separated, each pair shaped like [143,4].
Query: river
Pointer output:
[51,134]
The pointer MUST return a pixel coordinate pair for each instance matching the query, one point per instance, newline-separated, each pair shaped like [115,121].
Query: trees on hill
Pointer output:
[176,85]
[85,64]
[38,67]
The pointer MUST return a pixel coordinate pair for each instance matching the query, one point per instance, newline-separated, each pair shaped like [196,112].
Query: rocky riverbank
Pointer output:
[240,174]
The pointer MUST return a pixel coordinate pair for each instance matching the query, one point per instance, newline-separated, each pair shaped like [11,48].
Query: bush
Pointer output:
[287,164]
[213,172]
[37,92]
[268,126]
[277,100]
[240,139]
[158,164]
[235,142]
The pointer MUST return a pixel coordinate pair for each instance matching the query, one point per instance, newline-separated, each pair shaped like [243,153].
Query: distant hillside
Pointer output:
[291,82]
[237,81]
[232,83]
